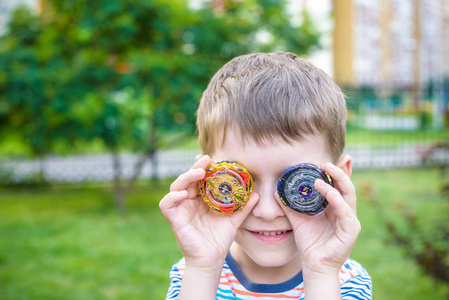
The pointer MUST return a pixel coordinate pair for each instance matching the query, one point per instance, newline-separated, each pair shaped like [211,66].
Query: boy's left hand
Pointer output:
[325,240]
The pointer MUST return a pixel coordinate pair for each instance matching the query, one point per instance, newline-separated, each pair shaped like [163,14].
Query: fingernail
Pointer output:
[203,159]
[320,182]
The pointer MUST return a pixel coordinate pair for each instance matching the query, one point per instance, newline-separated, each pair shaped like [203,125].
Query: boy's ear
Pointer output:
[345,163]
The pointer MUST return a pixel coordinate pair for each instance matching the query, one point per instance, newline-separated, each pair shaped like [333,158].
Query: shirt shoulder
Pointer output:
[176,273]
[179,267]
[228,287]
[355,281]
[351,269]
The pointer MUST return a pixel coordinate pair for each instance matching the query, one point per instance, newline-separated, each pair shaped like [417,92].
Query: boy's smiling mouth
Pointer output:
[271,236]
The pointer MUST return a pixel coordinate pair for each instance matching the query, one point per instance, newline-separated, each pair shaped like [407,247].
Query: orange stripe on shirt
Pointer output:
[245,293]
[228,281]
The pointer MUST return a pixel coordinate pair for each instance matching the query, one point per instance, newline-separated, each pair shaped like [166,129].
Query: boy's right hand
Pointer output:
[203,236]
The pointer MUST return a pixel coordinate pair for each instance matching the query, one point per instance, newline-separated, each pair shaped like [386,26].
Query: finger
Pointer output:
[189,179]
[347,221]
[343,184]
[341,208]
[202,162]
[241,215]
[171,200]
[291,214]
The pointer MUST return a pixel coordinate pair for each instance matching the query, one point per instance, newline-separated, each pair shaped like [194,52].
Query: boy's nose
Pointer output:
[267,207]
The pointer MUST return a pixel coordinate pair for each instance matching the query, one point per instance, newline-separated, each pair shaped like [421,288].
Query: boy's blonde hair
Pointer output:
[267,96]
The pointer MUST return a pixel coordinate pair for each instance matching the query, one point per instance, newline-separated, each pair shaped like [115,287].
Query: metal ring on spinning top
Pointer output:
[296,188]
[226,187]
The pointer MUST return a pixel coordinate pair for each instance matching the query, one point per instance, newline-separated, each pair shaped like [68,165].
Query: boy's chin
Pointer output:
[275,259]
[268,258]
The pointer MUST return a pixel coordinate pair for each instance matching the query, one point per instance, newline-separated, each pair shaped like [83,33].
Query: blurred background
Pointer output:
[97,116]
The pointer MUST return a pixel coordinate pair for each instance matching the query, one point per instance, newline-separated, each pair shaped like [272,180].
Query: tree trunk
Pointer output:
[41,172]
[119,199]
[119,192]
[152,151]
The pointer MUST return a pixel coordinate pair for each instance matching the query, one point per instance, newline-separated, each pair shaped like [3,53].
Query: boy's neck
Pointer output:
[261,274]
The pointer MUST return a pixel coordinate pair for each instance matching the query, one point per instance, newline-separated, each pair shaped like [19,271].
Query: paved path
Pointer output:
[174,162]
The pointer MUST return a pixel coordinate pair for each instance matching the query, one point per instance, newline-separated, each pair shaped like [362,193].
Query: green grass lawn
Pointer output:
[396,276]
[70,243]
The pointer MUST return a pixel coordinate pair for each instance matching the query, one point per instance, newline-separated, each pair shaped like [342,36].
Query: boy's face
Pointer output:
[266,236]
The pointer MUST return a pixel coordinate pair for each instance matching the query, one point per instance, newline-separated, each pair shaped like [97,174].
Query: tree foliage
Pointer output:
[124,71]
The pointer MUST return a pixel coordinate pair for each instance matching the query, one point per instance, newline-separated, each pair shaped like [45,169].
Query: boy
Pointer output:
[268,112]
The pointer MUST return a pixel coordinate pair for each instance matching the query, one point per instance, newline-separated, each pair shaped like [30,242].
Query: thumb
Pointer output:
[292,215]
[241,215]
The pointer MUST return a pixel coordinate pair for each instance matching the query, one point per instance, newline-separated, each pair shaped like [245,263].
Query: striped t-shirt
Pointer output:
[355,283]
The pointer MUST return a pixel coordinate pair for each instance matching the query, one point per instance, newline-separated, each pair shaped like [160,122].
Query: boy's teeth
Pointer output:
[270,233]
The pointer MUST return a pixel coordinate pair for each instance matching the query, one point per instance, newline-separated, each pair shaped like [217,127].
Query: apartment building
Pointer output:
[399,43]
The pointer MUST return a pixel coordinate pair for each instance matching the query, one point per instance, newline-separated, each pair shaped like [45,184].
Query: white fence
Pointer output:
[174,162]
[99,167]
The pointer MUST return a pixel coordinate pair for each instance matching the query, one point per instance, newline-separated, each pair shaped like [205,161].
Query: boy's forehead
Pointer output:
[235,136]
[271,152]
